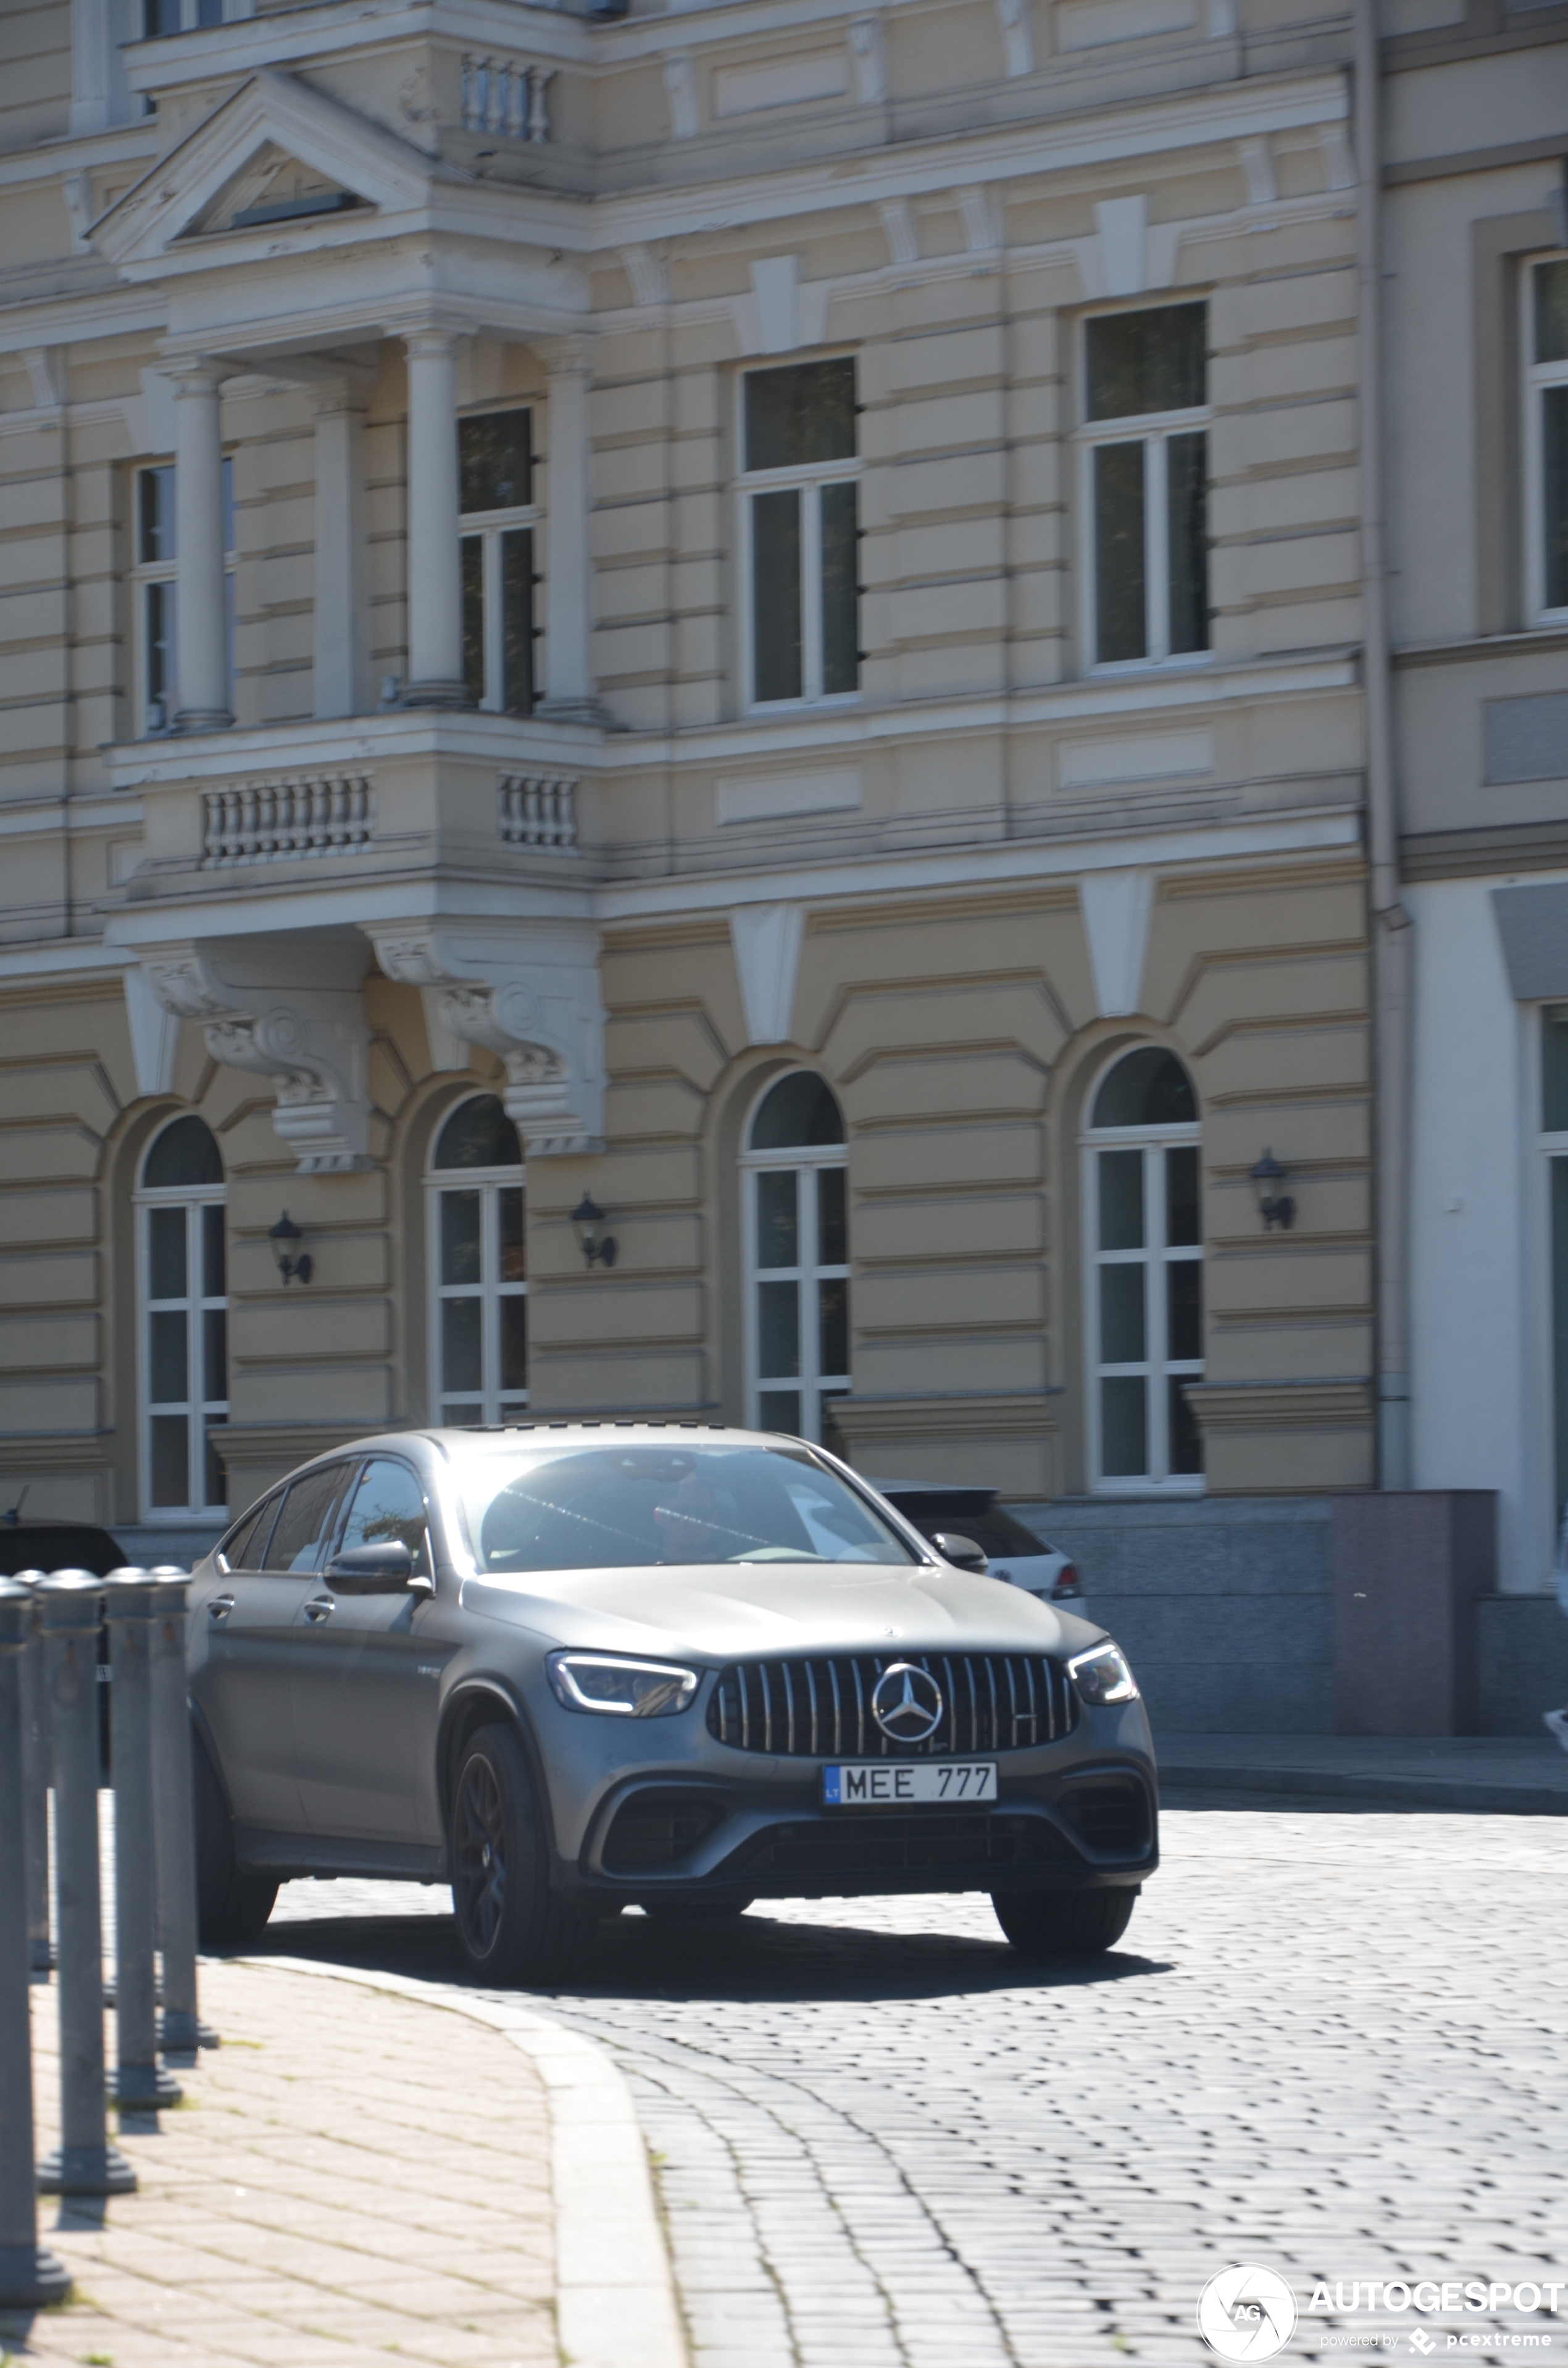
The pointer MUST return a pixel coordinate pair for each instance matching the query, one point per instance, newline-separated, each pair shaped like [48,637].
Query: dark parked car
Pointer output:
[65,1546]
[1012,1551]
[56,1545]
[570,1667]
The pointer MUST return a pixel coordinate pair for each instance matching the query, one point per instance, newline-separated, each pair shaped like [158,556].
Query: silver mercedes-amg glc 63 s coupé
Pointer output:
[568,1668]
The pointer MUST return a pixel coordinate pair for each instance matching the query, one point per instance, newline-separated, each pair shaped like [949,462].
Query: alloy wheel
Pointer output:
[480,1875]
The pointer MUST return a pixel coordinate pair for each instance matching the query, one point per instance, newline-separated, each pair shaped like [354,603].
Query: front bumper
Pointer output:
[690,1833]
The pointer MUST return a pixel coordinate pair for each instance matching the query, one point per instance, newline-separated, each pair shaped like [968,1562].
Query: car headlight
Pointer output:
[623,1689]
[1103,1676]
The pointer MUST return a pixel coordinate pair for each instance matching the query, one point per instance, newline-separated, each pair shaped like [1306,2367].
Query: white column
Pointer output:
[201,602]
[435,567]
[341,618]
[568,577]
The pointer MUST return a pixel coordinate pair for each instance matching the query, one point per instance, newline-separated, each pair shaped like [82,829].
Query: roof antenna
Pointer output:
[15,1515]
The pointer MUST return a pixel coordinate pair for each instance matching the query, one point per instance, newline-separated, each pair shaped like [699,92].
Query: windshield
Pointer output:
[633,1507]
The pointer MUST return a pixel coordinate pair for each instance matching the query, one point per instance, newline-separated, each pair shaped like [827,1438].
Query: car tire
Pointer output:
[511,1928]
[696,1911]
[1063,1923]
[231,1907]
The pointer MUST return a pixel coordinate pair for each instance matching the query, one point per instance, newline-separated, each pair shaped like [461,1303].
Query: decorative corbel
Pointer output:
[304,1028]
[531,996]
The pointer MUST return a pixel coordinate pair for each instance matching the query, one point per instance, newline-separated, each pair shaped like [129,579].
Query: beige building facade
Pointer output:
[749,615]
[1476,240]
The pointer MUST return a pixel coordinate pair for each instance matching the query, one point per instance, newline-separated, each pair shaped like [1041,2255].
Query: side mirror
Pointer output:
[962,1553]
[384,1568]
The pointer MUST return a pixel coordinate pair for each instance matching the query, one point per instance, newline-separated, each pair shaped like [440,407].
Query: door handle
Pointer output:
[320,1607]
[219,1607]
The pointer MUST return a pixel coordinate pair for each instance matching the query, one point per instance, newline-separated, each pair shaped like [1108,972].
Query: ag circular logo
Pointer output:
[906,1704]
[1246,2314]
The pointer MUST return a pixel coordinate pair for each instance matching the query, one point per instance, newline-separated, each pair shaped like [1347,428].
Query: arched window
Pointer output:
[479,1313]
[1143,1223]
[184,1322]
[797,1252]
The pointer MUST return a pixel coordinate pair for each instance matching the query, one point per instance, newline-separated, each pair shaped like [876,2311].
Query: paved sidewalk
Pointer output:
[1484,1774]
[353,2178]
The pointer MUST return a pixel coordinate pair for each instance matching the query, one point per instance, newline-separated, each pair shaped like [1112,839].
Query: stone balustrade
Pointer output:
[539,811]
[270,820]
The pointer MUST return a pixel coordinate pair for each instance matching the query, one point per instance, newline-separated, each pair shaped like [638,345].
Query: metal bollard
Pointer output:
[139,2079]
[85,2163]
[35,1780]
[174,1818]
[29,2275]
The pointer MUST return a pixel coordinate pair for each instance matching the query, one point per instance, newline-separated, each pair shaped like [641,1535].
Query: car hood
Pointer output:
[733,1611]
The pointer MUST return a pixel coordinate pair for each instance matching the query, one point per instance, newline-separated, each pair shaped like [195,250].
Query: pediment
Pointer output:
[275,151]
[274,186]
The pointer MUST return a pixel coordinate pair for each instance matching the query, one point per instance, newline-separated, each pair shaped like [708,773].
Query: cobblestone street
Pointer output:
[1333,2043]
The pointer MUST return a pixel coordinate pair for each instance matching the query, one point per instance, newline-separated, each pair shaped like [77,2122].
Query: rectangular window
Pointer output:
[185,1355]
[1146,1313]
[1545,437]
[154,595]
[801,531]
[799,1252]
[1554,1132]
[495,475]
[1145,397]
[161,17]
[481,1315]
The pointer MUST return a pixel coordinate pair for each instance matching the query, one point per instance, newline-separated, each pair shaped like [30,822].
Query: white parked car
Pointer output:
[1012,1551]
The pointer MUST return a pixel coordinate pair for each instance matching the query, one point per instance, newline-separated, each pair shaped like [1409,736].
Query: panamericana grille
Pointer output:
[820,1707]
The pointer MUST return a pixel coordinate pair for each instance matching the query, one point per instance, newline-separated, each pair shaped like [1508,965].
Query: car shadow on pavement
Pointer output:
[751,1958]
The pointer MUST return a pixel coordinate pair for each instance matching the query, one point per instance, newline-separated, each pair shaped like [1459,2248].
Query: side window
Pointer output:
[1145,411]
[306,1521]
[1545,437]
[244,1547]
[389,1503]
[802,531]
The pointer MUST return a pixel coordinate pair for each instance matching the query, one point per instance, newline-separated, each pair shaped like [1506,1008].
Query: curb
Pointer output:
[615,2292]
[1371,1790]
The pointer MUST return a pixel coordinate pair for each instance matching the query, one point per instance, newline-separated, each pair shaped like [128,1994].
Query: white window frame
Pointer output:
[1153,430]
[487,527]
[1156,1366]
[201,1409]
[1535,378]
[803,1161]
[146,572]
[806,481]
[1548,1146]
[231,11]
[490,1402]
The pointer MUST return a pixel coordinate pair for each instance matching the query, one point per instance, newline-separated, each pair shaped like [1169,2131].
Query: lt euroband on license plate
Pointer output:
[877,1783]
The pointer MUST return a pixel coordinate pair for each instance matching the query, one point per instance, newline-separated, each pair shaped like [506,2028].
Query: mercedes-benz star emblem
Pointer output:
[906,1704]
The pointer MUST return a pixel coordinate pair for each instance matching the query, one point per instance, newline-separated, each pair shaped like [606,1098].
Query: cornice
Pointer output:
[79,153]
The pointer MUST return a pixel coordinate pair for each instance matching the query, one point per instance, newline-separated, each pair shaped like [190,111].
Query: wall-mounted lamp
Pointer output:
[1276,1208]
[597,1246]
[284,1237]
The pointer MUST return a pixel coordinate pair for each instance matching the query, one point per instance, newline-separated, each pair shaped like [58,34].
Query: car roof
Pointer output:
[897,1488]
[585,1428]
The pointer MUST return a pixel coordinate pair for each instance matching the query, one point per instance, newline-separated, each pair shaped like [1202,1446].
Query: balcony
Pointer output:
[359,803]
